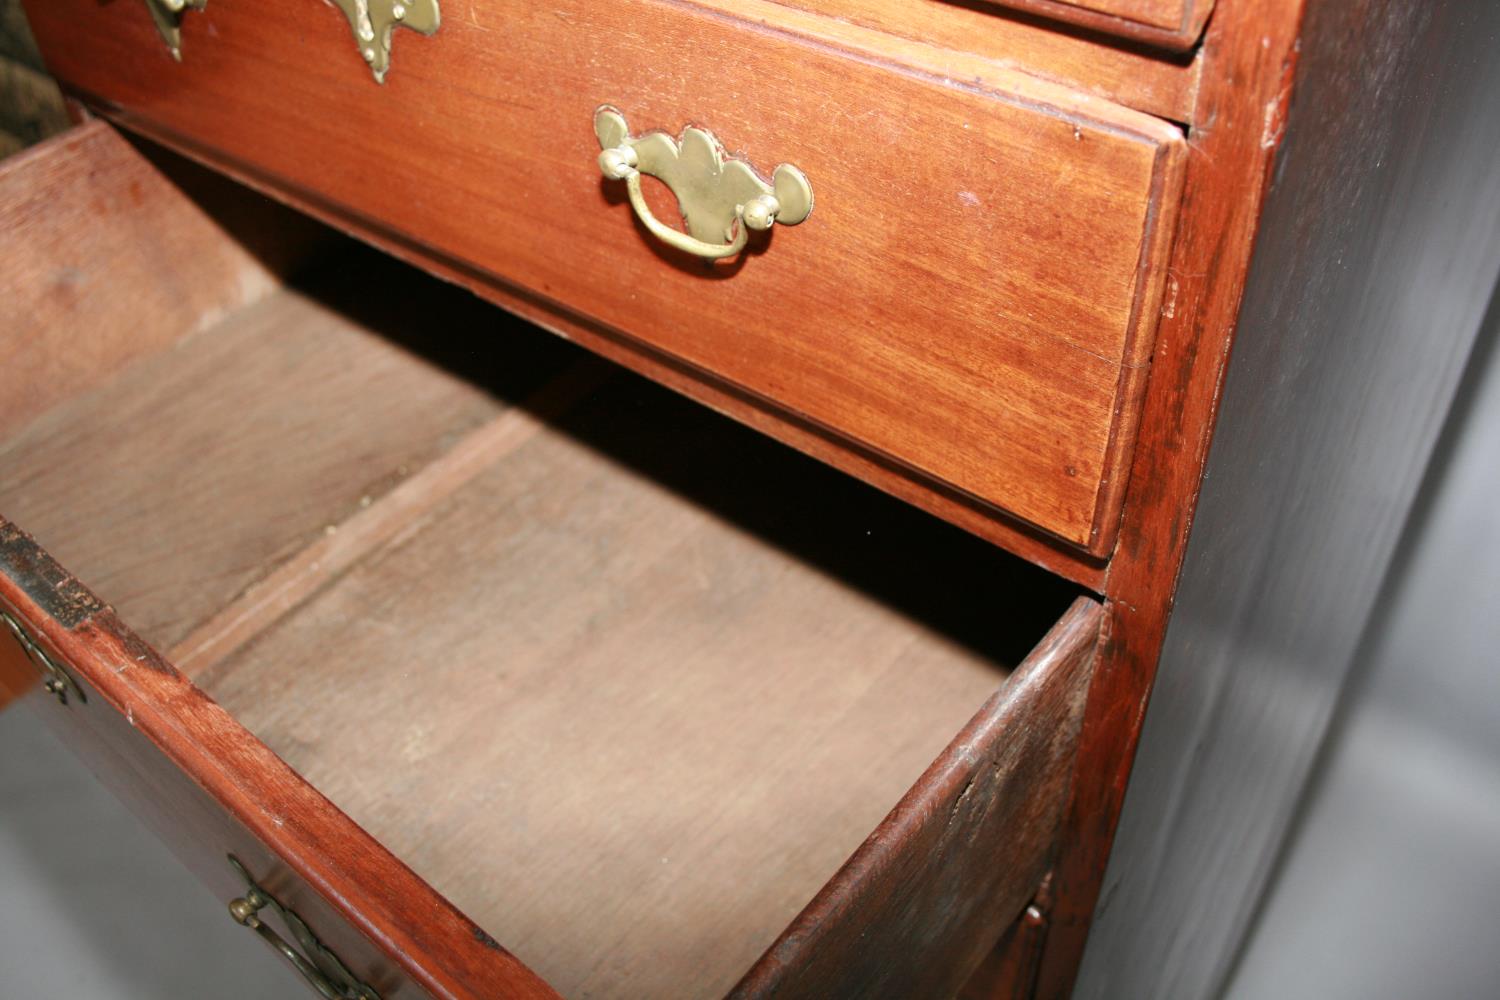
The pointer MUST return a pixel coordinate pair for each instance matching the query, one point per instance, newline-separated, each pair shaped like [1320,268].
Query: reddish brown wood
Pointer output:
[1171,24]
[1009,971]
[1249,55]
[887,340]
[1244,72]
[18,675]
[916,908]
[967,40]
[183,392]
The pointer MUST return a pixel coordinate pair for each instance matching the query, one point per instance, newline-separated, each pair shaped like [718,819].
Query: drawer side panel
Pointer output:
[918,906]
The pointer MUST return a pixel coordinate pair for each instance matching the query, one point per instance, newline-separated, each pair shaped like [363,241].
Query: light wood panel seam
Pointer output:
[1026,91]
[270,599]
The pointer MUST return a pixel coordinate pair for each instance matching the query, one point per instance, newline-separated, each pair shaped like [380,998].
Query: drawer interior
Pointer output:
[625,681]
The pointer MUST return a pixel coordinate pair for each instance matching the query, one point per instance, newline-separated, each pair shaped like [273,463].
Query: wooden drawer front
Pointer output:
[971,302]
[1172,24]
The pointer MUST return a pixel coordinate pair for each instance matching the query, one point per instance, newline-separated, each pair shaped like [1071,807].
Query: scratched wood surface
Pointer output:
[1249,54]
[631,696]
[1172,24]
[871,319]
[974,39]
[109,256]
[195,471]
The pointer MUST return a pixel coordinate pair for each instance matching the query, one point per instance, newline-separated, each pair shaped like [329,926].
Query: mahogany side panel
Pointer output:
[917,907]
[209,788]
[106,259]
[878,333]
[1373,282]
[1249,54]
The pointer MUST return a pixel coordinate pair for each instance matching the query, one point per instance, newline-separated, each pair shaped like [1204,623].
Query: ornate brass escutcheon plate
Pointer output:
[372,22]
[721,198]
[168,17]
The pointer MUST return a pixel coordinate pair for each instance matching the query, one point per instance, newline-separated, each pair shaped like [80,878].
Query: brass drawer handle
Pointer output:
[372,22]
[721,198]
[168,17]
[58,682]
[322,970]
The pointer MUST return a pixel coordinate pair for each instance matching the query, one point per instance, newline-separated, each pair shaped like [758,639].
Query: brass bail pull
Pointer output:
[320,967]
[57,681]
[721,198]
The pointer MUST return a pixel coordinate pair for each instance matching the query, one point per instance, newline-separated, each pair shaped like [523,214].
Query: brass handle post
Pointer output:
[58,682]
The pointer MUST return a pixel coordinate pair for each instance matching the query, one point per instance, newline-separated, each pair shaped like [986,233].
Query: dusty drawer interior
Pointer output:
[624,680]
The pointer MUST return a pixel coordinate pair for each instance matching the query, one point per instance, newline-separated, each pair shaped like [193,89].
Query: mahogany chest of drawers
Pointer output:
[461,663]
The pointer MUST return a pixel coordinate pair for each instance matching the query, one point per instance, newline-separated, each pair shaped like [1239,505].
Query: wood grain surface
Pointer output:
[882,330]
[1238,106]
[106,258]
[1010,969]
[200,484]
[966,39]
[207,787]
[640,688]
[921,903]
[1249,55]
[196,471]
[1171,24]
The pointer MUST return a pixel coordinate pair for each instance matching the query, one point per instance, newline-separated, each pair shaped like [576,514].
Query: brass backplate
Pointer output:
[372,22]
[719,196]
[168,17]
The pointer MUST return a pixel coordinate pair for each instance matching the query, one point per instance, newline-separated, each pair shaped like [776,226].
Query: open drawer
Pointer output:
[503,670]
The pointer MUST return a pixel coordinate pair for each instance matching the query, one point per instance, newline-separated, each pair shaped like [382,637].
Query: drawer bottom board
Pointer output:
[628,695]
